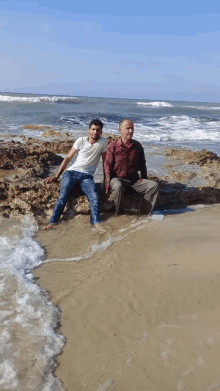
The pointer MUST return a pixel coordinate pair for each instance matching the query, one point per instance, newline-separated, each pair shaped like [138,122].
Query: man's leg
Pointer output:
[150,190]
[118,186]
[69,179]
[89,189]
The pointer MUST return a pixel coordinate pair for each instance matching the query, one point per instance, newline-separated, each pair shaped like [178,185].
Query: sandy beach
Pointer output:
[144,314]
[138,307]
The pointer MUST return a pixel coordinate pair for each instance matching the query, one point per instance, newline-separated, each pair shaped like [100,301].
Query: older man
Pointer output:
[124,161]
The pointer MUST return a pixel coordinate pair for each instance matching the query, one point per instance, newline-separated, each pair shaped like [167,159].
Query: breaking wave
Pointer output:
[28,319]
[155,104]
[37,99]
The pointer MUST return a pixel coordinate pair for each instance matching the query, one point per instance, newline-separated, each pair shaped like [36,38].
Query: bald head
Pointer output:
[121,123]
[126,129]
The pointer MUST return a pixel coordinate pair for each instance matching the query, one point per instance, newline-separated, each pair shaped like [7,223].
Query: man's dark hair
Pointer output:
[96,122]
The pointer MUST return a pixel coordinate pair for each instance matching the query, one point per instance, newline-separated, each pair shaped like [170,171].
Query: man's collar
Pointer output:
[95,142]
[120,142]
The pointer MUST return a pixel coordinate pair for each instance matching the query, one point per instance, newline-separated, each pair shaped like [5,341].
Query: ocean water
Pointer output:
[30,339]
[158,124]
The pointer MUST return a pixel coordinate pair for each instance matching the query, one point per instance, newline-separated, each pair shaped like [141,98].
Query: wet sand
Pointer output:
[145,313]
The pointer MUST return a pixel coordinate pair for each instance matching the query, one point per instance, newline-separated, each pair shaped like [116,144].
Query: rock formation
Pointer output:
[25,165]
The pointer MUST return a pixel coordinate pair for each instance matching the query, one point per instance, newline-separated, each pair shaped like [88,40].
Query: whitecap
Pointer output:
[36,99]
[155,104]
[201,107]
[178,129]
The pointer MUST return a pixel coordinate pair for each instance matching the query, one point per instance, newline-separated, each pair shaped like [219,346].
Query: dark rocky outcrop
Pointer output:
[200,158]
[208,164]
[32,160]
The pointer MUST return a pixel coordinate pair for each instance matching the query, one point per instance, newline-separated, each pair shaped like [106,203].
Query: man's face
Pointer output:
[127,130]
[95,132]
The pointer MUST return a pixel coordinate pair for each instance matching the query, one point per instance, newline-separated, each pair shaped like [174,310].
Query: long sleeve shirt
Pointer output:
[122,161]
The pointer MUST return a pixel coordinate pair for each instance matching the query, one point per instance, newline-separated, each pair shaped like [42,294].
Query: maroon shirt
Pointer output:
[122,161]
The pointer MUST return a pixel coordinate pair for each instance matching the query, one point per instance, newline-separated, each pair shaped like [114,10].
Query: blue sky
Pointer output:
[139,49]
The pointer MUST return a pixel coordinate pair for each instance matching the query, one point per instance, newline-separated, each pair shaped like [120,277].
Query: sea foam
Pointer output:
[36,99]
[178,128]
[29,342]
[155,104]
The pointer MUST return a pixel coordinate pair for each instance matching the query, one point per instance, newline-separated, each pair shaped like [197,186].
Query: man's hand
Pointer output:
[107,187]
[52,178]
[64,164]
[140,180]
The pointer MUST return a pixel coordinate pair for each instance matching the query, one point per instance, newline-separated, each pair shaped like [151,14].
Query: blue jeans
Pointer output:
[69,179]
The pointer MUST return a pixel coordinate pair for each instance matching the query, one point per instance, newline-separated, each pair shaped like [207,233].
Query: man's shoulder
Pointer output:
[113,143]
[79,143]
[81,139]
[136,143]
[102,144]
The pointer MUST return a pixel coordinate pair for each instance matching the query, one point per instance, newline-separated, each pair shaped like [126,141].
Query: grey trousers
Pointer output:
[147,188]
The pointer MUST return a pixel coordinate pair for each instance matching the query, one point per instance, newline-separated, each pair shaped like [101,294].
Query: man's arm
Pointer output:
[142,164]
[108,165]
[63,165]
[103,162]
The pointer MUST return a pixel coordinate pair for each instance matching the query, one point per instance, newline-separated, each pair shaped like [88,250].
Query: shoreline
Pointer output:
[114,303]
[144,313]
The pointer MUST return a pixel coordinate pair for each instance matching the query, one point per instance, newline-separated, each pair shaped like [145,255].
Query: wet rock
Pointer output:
[52,133]
[207,162]
[82,205]
[28,156]
[181,176]
[20,205]
[29,193]
[38,127]
[55,146]
[199,158]
[3,191]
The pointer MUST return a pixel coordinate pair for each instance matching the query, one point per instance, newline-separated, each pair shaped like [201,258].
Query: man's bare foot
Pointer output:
[49,226]
[99,229]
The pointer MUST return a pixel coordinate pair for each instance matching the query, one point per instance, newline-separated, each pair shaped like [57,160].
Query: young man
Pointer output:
[89,150]
[123,161]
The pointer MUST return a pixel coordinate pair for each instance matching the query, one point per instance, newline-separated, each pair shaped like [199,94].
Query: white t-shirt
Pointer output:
[88,154]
